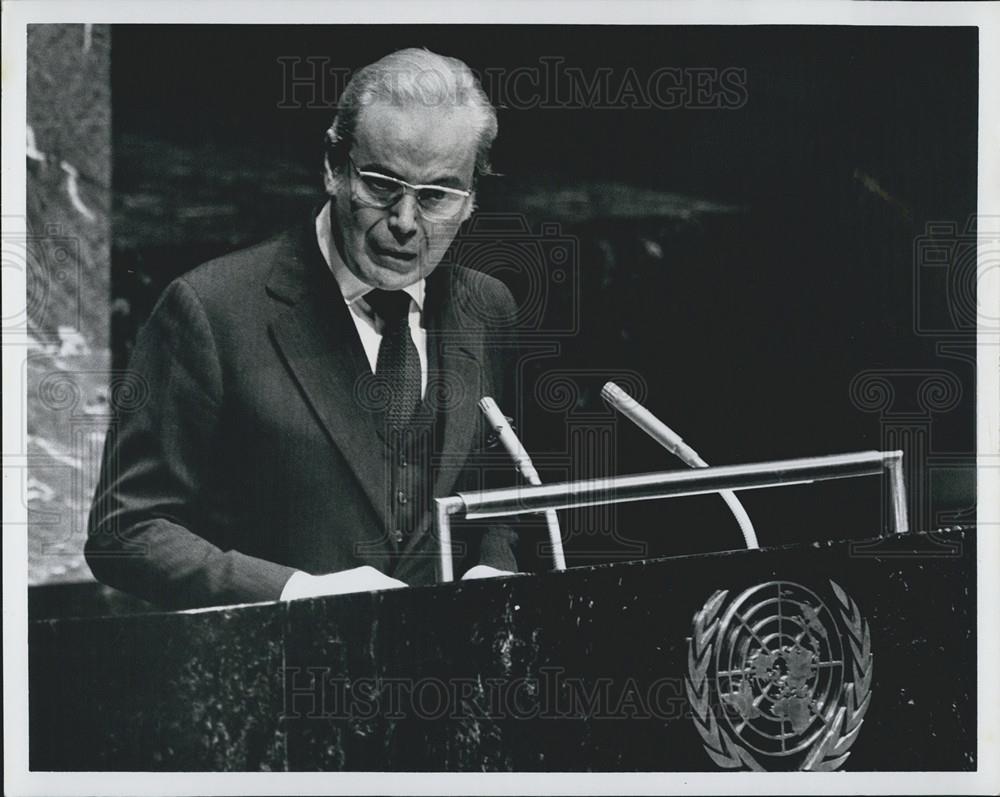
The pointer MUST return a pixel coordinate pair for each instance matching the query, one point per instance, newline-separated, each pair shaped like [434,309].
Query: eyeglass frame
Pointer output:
[414,189]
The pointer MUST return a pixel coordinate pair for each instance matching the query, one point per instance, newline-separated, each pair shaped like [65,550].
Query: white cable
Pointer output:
[734,504]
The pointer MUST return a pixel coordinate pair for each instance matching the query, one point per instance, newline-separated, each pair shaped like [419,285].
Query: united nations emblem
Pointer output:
[775,681]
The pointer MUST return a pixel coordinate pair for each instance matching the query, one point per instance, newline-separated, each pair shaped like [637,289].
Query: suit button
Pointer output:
[397,536]
[401,497]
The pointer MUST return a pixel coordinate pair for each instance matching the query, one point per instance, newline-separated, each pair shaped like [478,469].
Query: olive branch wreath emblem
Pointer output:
[832,747]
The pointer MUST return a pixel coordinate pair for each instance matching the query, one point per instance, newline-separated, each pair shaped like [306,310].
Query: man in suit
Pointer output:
[306,398]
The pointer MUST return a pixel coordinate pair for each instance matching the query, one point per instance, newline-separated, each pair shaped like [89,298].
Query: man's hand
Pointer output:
[485,571]
[357,579]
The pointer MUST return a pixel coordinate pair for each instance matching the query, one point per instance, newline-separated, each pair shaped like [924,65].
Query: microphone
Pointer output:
[505,432]
[524,465]
[670,440]
[651,425]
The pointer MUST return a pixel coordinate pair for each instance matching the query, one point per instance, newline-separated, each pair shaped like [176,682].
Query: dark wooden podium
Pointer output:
[850,655]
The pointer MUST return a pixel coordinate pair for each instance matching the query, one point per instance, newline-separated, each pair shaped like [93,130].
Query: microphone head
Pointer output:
[492,412]
[488,405]
[614,395]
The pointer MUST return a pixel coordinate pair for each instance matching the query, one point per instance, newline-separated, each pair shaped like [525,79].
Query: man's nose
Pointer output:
[403,216]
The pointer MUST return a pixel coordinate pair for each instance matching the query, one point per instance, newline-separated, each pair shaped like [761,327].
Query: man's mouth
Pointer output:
[395,254]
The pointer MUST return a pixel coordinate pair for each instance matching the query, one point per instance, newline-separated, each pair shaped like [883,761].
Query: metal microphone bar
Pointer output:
[663,484]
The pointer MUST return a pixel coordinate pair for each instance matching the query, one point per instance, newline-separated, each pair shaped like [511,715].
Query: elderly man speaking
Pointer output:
[308,397]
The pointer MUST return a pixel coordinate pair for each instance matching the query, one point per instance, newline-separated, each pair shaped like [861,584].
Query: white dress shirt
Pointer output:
[368,324]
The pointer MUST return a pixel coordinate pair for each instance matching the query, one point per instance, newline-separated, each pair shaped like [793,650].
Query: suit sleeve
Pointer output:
[499,542]
[148,527]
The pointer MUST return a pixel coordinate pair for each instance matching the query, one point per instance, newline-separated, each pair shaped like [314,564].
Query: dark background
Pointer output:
[743,265]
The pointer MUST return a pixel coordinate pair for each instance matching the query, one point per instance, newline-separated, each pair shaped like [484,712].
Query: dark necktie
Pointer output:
[398,364]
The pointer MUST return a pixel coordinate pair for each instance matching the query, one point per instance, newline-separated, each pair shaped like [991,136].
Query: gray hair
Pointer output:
[413,76]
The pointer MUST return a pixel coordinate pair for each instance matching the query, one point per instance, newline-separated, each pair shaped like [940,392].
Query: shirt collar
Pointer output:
[351,287]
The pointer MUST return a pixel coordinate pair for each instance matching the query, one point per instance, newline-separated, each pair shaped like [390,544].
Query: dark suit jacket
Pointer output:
[250,446]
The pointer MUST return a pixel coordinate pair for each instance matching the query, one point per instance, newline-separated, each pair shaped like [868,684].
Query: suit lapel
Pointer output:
[314,332]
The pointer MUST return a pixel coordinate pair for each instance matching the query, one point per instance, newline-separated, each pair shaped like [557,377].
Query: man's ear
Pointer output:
[331,179]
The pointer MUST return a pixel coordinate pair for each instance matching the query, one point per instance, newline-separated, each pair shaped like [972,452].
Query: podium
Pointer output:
[853,654]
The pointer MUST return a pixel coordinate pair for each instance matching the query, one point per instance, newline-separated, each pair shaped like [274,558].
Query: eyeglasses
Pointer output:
[436,202]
